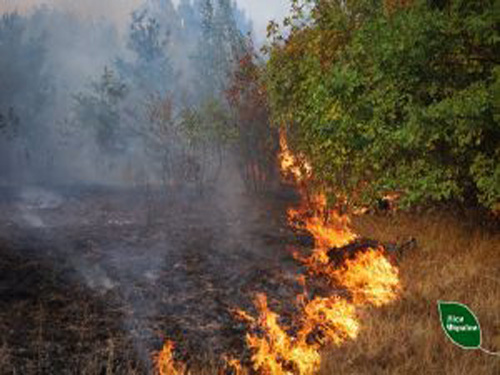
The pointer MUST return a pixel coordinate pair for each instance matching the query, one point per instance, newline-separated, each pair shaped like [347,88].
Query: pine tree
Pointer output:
[149,40]
[220,46]
[206,57]
[98,110]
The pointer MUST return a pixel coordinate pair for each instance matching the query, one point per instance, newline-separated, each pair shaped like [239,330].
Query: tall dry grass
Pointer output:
[456,260]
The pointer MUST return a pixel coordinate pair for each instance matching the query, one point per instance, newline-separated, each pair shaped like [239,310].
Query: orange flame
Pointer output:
[369,277]
[333,316]
[277,352]
[291,165]
[328,228]
[234,365]
[165,363]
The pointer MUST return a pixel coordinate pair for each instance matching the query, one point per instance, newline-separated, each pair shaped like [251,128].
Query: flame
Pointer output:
[234,365]
[291,165]
[369,277]
[334,317]
[275,351]
[328,228]
[165,363]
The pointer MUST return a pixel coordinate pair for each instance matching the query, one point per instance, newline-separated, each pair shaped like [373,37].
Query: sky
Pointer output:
[260,11]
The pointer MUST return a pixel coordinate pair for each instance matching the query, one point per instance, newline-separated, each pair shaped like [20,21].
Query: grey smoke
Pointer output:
[81,100]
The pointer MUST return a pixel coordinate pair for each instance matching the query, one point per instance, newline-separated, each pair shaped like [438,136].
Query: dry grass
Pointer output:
[455,261]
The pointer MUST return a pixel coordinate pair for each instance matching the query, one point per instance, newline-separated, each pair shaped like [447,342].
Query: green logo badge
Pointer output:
[460,324]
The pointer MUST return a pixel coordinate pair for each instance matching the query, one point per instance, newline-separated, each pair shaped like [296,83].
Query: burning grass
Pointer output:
[165,362]
[371,280]
[367,312]
[456,260]
[368,277]
[101,286]
[388,325]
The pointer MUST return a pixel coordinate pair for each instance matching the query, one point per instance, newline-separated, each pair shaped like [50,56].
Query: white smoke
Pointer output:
[259,11]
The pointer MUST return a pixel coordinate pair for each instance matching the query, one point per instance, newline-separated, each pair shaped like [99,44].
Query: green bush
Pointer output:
[404,100]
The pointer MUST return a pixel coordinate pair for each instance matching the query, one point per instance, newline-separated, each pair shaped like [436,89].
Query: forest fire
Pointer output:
[283,347]
[290,343]
[222,187]
[369,277]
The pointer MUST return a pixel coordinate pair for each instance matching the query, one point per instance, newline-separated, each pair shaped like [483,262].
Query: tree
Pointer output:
[188,147]
[98,111]
[220,46]
[151,72]
[400,98]
[25,94]
[257,140]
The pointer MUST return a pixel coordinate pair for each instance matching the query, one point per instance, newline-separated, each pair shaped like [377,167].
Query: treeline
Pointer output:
[160,105]
[41,65]
[80,102]
[392,96]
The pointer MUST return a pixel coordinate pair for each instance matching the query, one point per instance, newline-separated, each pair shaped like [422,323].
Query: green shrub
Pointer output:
[405,100]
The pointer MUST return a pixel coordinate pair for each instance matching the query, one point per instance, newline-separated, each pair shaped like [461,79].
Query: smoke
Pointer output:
[83,98]
[113,124]
[83,104]
[117,11]
[121,147]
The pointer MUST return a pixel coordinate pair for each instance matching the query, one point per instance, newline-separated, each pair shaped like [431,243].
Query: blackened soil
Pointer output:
[92,281]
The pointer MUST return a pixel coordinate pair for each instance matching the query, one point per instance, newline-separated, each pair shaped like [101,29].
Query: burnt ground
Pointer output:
[93,279]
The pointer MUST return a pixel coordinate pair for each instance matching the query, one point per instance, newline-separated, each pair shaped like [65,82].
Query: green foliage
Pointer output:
[220,46]
[98,110]
[402,97]
[210,124]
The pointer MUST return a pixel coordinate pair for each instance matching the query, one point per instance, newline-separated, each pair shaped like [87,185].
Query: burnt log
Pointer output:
[338,255]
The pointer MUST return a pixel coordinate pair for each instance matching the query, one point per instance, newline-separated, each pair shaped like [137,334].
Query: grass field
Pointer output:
[456,260]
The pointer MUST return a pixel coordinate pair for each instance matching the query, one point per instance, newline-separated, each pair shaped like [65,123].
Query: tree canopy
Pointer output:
[394,95]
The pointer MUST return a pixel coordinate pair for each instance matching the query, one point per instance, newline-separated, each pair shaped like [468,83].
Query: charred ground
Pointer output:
[96,279]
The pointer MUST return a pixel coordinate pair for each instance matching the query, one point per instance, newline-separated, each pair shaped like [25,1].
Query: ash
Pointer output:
[94,279]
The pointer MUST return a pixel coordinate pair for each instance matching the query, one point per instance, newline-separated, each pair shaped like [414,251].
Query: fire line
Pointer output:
[369,277]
